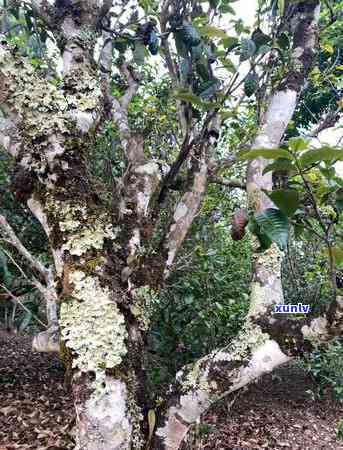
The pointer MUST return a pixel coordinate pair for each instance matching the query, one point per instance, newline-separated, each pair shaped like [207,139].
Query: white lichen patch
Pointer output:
[143,307]
[91,237]
[92,326]
[317,332]
[109,424]
[264,359]
[85,232]
[180,211]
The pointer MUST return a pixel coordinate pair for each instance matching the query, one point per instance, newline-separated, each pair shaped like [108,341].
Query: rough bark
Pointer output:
[107,272]
[262,345]
[106,280]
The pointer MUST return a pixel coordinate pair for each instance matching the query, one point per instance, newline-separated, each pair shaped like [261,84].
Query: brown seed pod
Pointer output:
[238,224]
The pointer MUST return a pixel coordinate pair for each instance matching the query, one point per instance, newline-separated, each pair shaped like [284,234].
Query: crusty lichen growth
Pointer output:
[249,339]
[317,332]
[48,111]
[135,412]
[266,289]
[93,327]
[82,230]
[145,300]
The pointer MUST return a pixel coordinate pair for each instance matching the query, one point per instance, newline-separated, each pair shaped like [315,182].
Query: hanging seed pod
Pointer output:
[238,224]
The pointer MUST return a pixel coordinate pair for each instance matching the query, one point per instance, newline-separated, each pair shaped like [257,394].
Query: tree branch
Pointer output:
[12,238]
[228,183]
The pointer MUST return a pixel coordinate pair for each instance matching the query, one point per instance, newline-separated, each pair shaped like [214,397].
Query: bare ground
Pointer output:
[36,412]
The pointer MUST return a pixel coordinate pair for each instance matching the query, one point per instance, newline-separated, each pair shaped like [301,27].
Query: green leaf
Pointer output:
[320,154]
[298,144]
[265,153]
[213,3]
[207,89]
[212,32]
[337,253]
[283,41]
[230,42]
[254,228]
[281,164]
[181,48]
[274,224]
[263,49]
[188,97]
[248,48]
[251,84]
[298,230]
[202,70]
[260,38]
[287,200]
[139,53]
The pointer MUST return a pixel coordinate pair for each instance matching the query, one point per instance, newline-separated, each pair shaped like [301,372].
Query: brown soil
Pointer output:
[277,412]
[36,412]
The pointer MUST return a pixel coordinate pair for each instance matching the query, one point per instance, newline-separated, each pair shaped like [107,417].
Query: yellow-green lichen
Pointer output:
[92,326]
[145,299]
[89,237]
[83,231]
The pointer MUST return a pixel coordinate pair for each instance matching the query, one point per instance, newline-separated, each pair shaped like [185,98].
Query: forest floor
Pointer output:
[36,412]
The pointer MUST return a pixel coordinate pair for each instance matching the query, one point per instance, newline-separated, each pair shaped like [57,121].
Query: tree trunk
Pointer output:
[109,265]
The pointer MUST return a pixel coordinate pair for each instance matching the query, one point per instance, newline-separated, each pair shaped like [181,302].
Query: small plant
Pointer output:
[340,430]
[326,368]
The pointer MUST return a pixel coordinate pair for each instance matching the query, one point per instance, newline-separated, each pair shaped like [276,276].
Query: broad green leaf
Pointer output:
[263,49]
[338,256]
[287,200]
[266,153]
[274,224]
[321,154]
[283,41]
[212,32]
[229,65]
[251,84]
[248,49]
[254,228]
[298,144]
[229,42]
[189,97]
[203,70]
[298,230]
[209,88]
[213,3]
[281,164]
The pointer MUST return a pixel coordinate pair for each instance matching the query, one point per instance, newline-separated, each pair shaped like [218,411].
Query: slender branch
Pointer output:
[8,231]
[16,299]
[228,183]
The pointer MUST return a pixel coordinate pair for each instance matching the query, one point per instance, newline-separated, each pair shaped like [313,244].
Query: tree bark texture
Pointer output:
[109,264]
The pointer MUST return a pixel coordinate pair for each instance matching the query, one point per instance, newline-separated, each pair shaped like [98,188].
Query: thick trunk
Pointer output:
[107,273]
[264,342]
